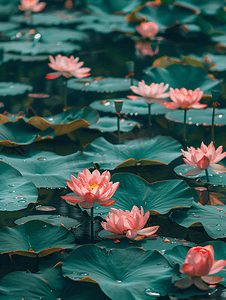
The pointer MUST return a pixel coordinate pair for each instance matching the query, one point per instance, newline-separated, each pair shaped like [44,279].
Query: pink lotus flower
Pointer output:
[67,67]
[184,99]
[128,224]
[90,188]
[203,158]
[32,5]
[146,49]
[148,29]
[199,263]
[151,94]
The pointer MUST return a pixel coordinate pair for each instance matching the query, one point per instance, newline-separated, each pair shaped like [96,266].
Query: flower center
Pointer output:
[93,185]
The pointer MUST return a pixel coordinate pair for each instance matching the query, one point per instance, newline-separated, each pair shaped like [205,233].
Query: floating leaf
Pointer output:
[159,149]
[16,192]
[108,124]
[6,26]
[13,89]
[219,61]
[111,6]
[209,7]
[106,28]
[121,274]
[47,169]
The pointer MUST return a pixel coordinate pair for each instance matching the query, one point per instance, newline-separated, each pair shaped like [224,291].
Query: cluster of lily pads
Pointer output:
[96,200]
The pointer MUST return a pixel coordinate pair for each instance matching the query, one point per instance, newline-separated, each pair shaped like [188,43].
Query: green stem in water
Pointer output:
[118,126]
[207,176]
[92,227]
[213,115]
[65,94]
[185,117]
[149,115]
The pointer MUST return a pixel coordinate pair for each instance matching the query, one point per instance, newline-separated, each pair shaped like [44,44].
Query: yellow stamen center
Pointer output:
[93,185]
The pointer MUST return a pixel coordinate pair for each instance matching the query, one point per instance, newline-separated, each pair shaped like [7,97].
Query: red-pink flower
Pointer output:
[67,67]
[185,99]
[148,29]
[203,158]
[91,188]
[128,224]
[151,94]
[32,5]
[146,49]
[199,263]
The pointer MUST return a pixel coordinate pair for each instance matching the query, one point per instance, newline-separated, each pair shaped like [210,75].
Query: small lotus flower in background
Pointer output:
[203,158]
[128,224]
[199,263]
[146,49]
[91,188]
[148,29]
[32,5]
[67,67]
[68,5]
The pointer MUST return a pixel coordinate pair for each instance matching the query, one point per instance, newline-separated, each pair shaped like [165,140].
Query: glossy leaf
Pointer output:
[218,60]
[106,28]
[209,7]
[111,6]
[6,26]
[13,89]
[121,274]
[16,192]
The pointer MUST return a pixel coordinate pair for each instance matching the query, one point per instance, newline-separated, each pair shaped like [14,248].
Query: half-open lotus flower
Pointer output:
[32,5]
[199,263]
[148,29]
[91,188]
[128,224]
[151,93]
[185,99]
[203,158]
[67,67]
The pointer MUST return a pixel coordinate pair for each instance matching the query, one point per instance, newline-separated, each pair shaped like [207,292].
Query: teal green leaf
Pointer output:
[209,7]
[13,89]
[159,149]
[16,192]
[217,59]
[47,169]
[35,238]
[121,274]
[24,58]
[212,218]
[160,196]
[106,28]
[101,84]
[186,76]
[219,39]
[108,124]
[111,6]
[6,26]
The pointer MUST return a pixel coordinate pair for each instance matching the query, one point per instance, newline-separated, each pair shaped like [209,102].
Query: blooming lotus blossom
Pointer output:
[67,67]
[91,188]
[184,99]
[148,29]
[146,49]
[199,263]
[151,94]
[128,224]
[32,5]
[203,158]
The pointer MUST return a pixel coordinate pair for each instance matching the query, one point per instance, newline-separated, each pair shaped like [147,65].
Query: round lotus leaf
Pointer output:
[121,274]
[48,169]
[35,238]
[219,39]
[108,124]
[56,220]
[20,133]
[100,84]
[23,58]
[6,26]
[48,35]
[7,8]
[14,89]
[106,28]
[48,18]
[209,7]
[34,48]
[159,149]
[130,107]
[218,61]
[211,217]
[160,196]
[186,76]
[112,6]
[16,192]
[67,121]
[172,15]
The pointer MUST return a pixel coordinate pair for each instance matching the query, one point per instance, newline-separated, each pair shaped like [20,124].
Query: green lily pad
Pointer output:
[219,39]
[158,150]
[101,84]
[47,169]
[63,123]
[48,19]
[160,196]
[217,59]
[106,28]
[121,274]
[16,192]
[35,48]
[130,107]
[111,6]
[35,238]
[172,15]
[211,217]
[108,124]
[209,7]
[23,58]
[20,133]
[186,76]
[13,89]
[6,26]
[7,8]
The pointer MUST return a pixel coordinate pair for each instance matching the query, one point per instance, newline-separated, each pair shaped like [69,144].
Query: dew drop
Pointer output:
[44,226]
[41,158]
[12,185]
[158,264]
[218,229]
[149,292]
[118,281]
[82,274]
[53,217]
[45,178]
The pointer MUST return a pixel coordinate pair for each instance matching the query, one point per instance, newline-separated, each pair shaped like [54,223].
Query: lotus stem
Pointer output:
[30,18]
[92,227]
[65,94]
[185,117]
[207,176]
[118,126]
[149,115]
[213,115]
